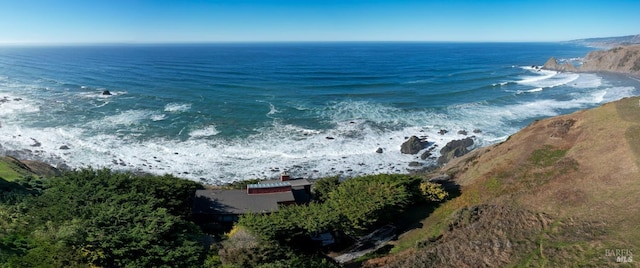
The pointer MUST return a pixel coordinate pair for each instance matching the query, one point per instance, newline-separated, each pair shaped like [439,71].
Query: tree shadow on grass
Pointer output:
[413,216]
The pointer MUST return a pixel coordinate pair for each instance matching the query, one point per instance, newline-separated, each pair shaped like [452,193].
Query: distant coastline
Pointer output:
[608,42]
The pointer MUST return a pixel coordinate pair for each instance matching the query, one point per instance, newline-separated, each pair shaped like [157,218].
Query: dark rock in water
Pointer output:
[330,138]
[379,150]
[425,155]
[415,164]
[462,132]
[36,143]
[443,131]
[453,149]
[477,131]
[106,93]
[413,145]
[64,147]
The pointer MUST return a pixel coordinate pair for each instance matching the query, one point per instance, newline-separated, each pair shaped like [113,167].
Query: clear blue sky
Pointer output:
[147,21]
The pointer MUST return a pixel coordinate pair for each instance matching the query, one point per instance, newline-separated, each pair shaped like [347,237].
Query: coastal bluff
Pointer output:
[621,59]
[561,191]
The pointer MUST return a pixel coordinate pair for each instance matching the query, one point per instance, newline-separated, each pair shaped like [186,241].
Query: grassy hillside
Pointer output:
[12,169]
[561,192]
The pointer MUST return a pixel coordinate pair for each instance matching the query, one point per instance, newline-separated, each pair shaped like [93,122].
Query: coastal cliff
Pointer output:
[561,192]
[621,59]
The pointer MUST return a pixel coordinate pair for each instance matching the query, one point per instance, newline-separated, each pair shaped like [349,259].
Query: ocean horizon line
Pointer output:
[199,43]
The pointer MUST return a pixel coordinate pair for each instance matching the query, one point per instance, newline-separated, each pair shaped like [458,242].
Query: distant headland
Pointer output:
[623,56]
[609,42]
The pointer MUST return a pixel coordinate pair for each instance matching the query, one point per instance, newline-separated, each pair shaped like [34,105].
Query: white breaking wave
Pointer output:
[587,81]
[272,109]
[158,117]
[347,148]
[541,74]
[124,119]
[98,94]
[11,104]
[547,79]
[177,107]
[204,132]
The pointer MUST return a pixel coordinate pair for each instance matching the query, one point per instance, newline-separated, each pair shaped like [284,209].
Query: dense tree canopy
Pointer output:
[109,219]
[102,218]
[350,209]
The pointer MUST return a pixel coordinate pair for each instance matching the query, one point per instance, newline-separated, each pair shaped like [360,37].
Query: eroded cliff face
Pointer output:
[623,59]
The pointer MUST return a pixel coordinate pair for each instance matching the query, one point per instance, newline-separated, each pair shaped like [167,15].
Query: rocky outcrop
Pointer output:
[552,64]
[413,145]
[560,128]
[453,149]
[41,169]
[30,167]
[623,59]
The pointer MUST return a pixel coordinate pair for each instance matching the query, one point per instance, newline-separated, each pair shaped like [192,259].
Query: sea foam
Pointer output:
[316,112]
[177,107]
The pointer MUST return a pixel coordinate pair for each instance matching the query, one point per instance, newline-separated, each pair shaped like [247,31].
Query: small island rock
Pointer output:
[413,145]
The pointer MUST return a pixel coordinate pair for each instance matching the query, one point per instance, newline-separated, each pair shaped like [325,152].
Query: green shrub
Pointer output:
[433,192]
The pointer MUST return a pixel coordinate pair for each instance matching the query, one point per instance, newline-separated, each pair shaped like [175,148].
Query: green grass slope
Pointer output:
[12,169]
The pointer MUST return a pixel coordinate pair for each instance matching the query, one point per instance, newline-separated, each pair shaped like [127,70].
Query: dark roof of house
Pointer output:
[238,201]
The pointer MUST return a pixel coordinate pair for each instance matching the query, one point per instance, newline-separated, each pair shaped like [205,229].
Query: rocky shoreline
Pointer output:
[420,145]
[32,160]
[425,161]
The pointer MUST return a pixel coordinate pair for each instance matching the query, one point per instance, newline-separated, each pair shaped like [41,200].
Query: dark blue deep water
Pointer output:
[223,112]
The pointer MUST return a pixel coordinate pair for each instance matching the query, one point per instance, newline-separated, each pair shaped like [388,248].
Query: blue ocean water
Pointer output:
[224,112]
